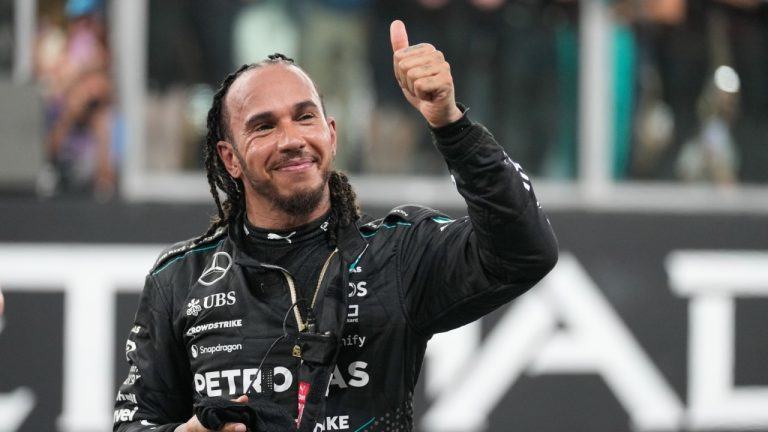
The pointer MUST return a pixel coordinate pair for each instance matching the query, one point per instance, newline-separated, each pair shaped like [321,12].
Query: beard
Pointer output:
[298,203]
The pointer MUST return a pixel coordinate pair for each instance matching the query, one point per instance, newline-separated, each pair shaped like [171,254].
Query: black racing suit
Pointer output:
[210,311]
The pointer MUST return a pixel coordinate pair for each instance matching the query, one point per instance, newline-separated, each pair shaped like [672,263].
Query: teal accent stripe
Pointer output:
[354,264]
[368,423]
[440,219]
[357,260]
[185,254]
[387,226]
[395,225]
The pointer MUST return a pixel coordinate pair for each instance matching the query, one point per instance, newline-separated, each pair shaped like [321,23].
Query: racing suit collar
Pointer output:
[351,244]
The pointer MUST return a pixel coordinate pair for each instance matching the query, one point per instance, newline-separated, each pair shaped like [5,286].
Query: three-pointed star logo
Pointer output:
[219,267]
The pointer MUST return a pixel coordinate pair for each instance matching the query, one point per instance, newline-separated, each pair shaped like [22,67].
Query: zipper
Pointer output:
[300,322]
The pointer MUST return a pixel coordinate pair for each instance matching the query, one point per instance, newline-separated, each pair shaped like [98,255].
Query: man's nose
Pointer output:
[291,138]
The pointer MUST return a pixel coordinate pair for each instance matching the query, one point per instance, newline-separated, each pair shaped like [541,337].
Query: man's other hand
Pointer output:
[425,78]
[193,424]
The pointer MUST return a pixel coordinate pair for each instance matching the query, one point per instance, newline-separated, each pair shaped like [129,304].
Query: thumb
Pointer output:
[398,35]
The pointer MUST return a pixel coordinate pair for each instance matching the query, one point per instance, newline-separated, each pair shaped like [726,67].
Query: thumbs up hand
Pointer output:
[425,78]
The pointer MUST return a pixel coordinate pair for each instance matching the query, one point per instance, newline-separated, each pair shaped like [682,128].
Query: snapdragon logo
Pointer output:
[200,350]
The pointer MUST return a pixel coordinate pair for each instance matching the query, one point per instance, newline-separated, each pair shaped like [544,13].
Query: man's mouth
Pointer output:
[295,164]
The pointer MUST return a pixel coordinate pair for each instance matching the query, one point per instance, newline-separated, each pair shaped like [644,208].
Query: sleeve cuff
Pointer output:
[454,130]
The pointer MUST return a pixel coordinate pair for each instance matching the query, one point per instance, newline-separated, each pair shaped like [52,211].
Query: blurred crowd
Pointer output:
[73,65]
[690,94]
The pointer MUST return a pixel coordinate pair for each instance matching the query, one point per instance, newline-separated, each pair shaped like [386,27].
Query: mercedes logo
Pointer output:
[219,266]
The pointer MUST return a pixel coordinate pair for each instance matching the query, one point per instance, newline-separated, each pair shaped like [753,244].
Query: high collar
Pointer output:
[278,238]
[351,244]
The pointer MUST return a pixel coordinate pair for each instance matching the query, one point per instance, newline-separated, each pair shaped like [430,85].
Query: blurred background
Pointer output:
[643,122]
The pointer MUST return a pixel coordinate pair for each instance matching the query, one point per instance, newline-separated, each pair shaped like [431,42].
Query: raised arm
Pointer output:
[457,271]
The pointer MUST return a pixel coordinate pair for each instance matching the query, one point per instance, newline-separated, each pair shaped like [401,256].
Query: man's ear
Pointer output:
[332,130]
[230,160]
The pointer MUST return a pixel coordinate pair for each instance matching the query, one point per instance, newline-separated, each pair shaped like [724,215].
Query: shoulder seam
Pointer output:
[179,250]
[198,249]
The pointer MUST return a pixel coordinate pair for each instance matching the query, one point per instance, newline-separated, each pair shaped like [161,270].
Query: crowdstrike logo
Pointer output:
[214,326]
[220,265]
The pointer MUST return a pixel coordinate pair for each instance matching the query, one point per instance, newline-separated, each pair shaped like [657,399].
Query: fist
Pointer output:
[425,78]
[193,424]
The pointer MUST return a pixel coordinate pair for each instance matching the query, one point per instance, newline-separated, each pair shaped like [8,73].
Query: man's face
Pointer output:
[283,145]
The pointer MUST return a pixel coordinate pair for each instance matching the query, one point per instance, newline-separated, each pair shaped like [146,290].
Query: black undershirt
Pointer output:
[301,250]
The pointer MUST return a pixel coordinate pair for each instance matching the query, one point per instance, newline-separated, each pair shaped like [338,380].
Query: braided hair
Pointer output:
[344,208]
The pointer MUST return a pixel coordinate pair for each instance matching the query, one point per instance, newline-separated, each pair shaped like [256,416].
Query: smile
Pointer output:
[295,165]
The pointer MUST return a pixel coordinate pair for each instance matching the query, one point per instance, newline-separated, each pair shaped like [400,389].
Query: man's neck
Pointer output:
[271,218]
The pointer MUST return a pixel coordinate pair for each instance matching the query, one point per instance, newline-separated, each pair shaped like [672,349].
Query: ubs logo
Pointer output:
[212,301]
[220,265]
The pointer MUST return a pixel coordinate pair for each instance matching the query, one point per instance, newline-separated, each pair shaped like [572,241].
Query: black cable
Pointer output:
[274,343]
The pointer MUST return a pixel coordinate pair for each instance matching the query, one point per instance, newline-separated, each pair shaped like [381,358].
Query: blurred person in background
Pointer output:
[397,144]
[332,50]
[294,311]
[74,68]
[702,93]
[511,64]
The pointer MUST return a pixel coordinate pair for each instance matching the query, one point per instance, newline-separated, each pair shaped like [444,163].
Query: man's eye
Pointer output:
[307,116]
[263,127]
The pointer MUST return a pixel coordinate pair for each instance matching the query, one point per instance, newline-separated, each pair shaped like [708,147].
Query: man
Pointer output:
[292,311]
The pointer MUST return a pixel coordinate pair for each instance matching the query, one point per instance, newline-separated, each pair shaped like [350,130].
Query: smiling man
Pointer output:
[294,311]
[279,143]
